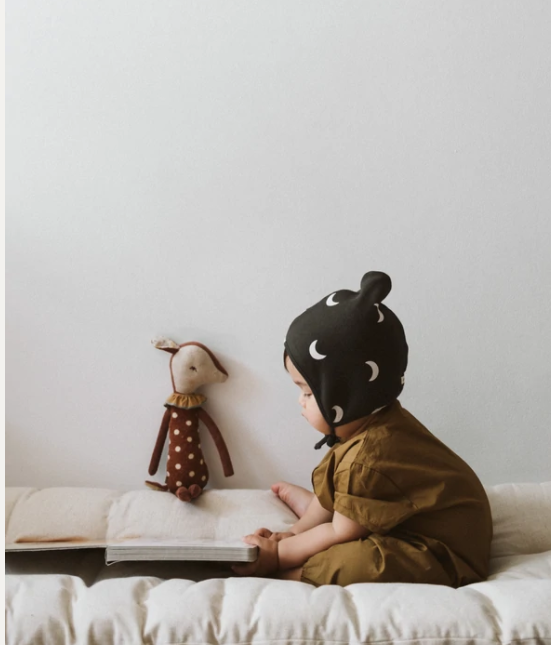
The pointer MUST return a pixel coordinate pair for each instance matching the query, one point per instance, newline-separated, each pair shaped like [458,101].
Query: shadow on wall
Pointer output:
[229,404]
[35,459]
[249,447]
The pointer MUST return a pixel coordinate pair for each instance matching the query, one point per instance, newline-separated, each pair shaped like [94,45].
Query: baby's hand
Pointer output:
[274,536]
[267,562]
[277,537]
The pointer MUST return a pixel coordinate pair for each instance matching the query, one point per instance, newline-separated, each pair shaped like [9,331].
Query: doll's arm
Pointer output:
[160,444]
[218,441]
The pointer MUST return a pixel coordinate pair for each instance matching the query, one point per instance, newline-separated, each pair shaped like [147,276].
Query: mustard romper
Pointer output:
[427,511]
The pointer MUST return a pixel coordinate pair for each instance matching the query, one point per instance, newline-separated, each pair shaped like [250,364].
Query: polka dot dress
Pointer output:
[185,462]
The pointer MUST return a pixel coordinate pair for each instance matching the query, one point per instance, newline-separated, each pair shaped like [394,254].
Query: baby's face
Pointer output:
[310,409]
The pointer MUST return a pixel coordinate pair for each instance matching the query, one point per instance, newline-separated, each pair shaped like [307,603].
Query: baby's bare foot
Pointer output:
[297,498]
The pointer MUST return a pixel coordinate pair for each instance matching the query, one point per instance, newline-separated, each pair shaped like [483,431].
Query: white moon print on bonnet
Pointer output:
[352,351]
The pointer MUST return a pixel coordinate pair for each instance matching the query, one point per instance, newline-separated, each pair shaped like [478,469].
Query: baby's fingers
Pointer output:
[277,537]
[265,533]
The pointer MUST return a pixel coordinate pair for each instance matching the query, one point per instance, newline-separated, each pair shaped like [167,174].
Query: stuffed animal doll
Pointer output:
[191,365]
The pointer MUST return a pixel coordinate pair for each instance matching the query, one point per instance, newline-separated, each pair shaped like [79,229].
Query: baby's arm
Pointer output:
[294,551]
[314,515]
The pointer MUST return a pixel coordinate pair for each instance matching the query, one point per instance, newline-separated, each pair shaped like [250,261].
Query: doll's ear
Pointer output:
[165,344]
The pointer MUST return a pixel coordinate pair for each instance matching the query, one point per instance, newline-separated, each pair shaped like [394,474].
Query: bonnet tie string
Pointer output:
[329,439]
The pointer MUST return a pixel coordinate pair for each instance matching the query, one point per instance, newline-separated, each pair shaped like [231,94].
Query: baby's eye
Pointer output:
[307,393]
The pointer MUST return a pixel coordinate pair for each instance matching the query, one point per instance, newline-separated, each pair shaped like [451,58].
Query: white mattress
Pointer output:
[62,597]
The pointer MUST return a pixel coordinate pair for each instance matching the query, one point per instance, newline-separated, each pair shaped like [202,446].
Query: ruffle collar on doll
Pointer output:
[185,401]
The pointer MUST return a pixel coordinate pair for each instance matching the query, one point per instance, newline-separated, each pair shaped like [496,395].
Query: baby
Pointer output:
[391,502]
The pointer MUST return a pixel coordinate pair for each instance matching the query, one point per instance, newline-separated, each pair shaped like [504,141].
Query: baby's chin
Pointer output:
[322,429]
[317,426]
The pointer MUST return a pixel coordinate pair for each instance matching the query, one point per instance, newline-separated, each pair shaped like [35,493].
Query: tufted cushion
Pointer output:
[143,609]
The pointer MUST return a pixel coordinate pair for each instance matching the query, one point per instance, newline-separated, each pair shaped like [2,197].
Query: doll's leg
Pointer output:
[195,491]
[187,494]
[297,498]
[183,494]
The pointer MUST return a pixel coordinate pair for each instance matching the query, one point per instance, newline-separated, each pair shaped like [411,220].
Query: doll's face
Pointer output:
[192,367]
[307,401]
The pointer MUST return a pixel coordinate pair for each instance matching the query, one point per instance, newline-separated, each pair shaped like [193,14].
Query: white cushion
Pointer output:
[77,515]
[135,602]
[521,567]
[521,515]
[62,609]
[217,514]
[54,514]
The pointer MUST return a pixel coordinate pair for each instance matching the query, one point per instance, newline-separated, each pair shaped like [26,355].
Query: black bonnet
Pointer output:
[351,350]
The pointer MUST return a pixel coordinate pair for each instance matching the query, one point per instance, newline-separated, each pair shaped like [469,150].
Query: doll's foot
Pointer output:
[183,494]
[156,486]
[195,491]
[297,498]
[187,494]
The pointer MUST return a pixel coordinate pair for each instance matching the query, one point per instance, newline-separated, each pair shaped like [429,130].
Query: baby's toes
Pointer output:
[281,489]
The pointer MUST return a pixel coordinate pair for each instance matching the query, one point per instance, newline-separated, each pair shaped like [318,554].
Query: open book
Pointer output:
[180,549]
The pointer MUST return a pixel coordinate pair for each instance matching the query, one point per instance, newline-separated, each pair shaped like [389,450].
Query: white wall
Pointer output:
[207,170]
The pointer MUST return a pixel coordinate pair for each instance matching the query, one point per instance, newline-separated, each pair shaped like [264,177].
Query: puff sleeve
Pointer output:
[370,498]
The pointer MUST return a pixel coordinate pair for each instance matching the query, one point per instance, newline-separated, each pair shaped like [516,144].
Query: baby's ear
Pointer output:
[165,344]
